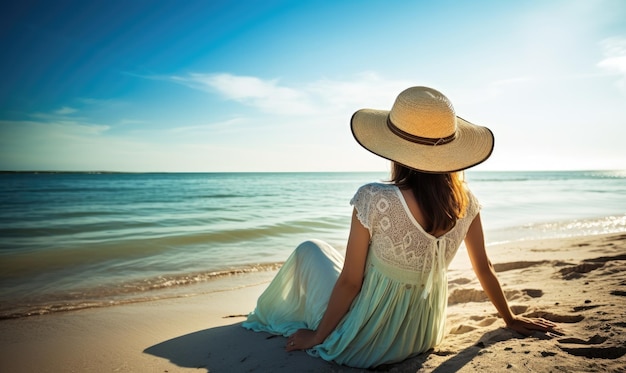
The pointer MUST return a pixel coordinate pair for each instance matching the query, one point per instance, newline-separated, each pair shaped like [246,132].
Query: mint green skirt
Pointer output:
[397,314]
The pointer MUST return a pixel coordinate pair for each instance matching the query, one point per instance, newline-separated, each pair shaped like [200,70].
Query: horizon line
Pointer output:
[270,172]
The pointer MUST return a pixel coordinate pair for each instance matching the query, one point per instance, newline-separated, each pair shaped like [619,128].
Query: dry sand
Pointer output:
[579,283]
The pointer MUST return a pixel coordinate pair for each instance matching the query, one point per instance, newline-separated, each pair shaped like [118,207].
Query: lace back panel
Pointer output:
[395,236]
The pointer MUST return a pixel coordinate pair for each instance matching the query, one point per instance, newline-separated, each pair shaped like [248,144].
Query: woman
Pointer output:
[387,300]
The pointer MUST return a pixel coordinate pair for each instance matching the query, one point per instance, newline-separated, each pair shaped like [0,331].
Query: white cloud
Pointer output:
[209,127]
[65,110]
[266,95]
[43,130]
[615,58]
[56,123]
[614,46]
[364,90]
[325,96]
[617,64]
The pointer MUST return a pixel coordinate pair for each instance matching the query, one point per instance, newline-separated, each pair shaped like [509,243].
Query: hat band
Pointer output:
[418,139]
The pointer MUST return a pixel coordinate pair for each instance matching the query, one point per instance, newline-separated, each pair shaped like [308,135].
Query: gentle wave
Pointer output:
[550,176]
[559,229]
[130,243]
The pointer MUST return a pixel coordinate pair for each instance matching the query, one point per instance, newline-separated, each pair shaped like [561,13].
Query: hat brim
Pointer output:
[473,144]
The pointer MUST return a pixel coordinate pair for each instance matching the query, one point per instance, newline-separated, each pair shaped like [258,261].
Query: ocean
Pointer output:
[78,240]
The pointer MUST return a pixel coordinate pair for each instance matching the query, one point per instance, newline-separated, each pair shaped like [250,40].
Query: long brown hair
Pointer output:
[441,197]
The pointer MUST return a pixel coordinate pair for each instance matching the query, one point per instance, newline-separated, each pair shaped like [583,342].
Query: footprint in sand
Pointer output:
[480,321]
[488,321]
[595,340]
[572,273]
[605,259]
[462,329]
[503,267]
[483,320]
[518,309]
[613,352]
[588,265]
[533,293]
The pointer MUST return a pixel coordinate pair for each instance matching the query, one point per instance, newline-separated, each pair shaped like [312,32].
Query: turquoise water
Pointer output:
[80,240]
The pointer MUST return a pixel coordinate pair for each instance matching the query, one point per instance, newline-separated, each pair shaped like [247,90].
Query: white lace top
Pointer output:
[398,241]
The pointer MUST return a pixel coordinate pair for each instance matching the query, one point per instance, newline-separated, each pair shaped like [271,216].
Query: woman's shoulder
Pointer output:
[375,187]
[373,191]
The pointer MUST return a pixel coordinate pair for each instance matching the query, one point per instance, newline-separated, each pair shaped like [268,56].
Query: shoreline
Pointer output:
[577,282]
[184,284]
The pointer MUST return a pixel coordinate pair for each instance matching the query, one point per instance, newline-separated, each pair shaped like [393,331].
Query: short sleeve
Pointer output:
[361,201]
[474,206]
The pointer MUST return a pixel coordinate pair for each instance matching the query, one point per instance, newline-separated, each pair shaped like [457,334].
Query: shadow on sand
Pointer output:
[232,348]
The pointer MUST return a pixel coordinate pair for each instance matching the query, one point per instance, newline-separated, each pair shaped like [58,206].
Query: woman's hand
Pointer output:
[475,244]
[302,339]
[528,326]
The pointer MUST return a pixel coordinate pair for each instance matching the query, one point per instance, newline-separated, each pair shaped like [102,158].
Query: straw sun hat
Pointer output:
[422,132]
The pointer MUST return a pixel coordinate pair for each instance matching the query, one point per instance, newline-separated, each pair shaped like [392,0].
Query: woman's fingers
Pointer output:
[549,327]
[545,322]
[536,327]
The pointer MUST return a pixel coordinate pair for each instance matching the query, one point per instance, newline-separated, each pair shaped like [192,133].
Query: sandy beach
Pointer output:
[577,282]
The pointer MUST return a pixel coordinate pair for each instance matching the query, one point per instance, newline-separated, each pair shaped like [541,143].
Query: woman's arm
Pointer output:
[346,289]
[475,244]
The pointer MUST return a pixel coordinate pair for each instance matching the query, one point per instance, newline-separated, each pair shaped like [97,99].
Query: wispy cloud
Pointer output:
[321,96]
[57,128]
[511,81]
[367,89]
[127,121]
[60,145]
[209,127]
[266,95]
[61,122]
[65,110]
[615,58]
[58,123]
[617,64]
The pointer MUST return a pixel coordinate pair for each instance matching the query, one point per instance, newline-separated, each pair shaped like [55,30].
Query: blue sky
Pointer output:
[271,85]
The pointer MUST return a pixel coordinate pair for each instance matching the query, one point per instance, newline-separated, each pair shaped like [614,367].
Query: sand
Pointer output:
[579,283]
